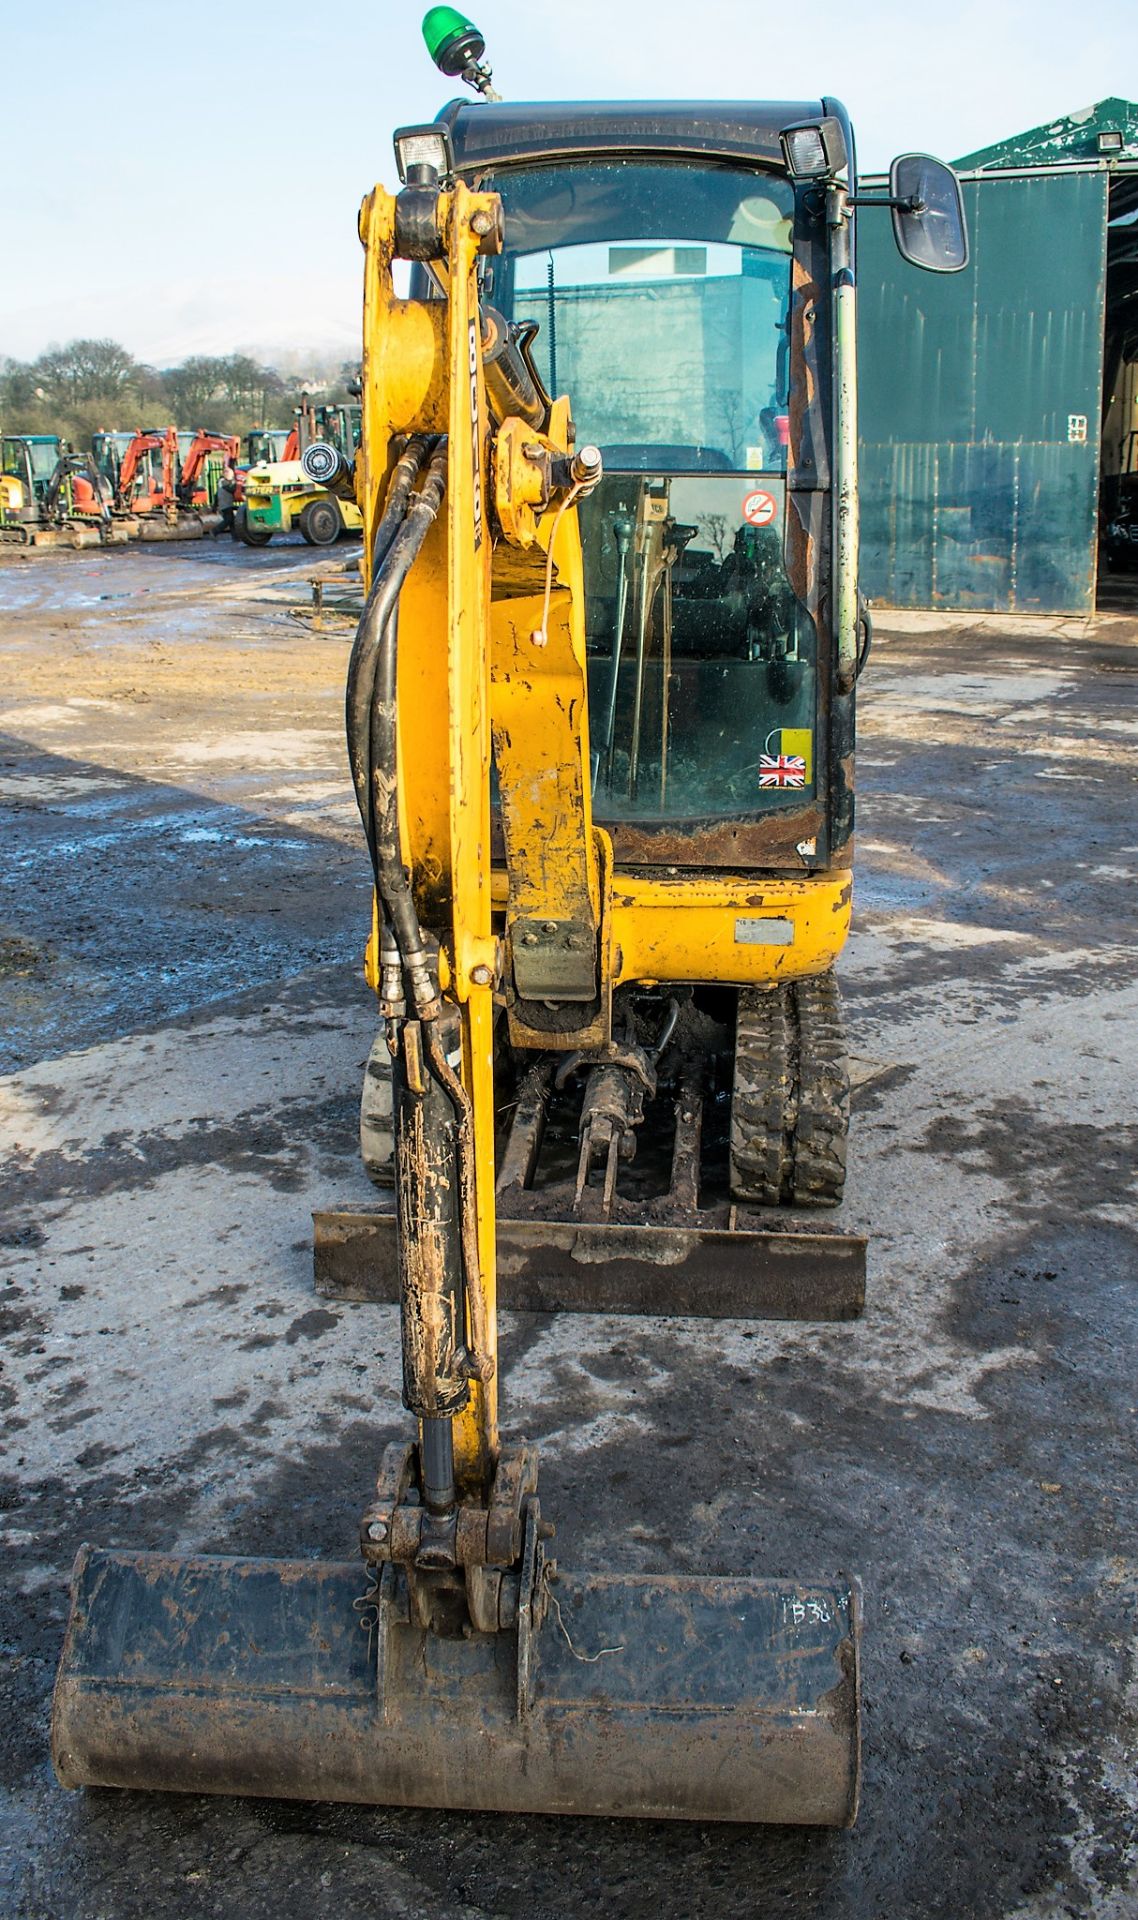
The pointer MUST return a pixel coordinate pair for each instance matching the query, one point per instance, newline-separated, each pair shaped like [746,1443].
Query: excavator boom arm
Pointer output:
[203,445]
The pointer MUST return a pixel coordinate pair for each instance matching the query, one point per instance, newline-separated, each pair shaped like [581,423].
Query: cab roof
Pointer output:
[486,134]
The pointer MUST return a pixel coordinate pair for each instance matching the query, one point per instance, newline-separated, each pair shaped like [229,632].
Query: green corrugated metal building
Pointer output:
[984,393]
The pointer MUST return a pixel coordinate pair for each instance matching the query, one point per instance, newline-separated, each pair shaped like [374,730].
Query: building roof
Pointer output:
[1073,137]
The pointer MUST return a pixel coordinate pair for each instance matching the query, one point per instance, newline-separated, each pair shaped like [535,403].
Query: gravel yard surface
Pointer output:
[183,903]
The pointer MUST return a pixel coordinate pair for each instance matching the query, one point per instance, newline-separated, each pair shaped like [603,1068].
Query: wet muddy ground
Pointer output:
[182,906]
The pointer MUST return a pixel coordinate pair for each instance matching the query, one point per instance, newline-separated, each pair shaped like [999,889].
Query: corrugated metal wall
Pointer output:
[976,490]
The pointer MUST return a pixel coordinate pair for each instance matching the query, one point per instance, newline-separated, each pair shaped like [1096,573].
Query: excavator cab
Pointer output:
[201,457]
[144,464]
[265,444]
[109,448]
[660,290]
[685,275]
[30,460]
[600,727]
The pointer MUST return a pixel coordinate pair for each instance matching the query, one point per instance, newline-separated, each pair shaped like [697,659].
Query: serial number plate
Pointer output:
[764,933]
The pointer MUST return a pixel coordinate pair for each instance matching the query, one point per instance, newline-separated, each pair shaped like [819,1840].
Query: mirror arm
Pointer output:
[911,205]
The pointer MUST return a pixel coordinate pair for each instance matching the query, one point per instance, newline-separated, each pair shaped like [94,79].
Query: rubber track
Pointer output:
[790,1100]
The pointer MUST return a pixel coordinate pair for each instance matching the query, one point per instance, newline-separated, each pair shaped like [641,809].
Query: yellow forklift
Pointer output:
[309,489]
[600,720]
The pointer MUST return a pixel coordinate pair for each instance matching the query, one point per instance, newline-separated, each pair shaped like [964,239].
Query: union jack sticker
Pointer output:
[782,770]
[787,759]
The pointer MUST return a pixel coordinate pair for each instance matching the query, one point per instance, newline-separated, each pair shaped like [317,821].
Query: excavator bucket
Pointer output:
[667,1698]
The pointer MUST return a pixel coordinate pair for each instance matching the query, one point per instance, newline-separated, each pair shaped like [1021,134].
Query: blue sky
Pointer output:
[189,174]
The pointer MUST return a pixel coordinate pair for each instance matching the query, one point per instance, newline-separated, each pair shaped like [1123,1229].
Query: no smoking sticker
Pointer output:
[760,508]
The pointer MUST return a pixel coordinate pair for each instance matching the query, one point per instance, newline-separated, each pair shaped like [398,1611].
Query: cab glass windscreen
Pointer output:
[661,297]
[661,294]
[45,458]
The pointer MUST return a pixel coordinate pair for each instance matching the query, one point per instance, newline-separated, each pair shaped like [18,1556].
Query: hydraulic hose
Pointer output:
[365,648]
[865,621]
[395,892]
[403,477]
[377,641]
[391,879]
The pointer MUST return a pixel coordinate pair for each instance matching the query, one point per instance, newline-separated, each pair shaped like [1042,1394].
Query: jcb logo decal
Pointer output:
[475,450]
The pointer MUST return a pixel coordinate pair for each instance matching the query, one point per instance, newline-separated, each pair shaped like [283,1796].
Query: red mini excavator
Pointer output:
[197,485]
[168,497]
[146,488]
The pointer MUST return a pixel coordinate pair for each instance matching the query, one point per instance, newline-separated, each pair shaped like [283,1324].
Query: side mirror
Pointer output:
[928,213]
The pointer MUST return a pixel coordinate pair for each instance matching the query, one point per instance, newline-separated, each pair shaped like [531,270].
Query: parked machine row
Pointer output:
[165,484]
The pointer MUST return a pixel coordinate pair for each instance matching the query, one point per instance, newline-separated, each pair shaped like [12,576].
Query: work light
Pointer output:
[427,146]
[814,151]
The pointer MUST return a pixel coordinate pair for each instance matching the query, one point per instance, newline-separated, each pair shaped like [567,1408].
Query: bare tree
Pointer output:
[86,370]
[190,388]
[88,384]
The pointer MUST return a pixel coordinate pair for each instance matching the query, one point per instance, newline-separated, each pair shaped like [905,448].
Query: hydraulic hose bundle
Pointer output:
[370,702]
[431,1107]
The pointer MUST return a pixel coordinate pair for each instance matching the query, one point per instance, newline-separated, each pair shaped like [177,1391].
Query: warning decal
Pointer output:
[760,508]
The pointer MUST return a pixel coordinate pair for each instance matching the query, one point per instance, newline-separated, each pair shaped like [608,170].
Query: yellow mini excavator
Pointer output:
[600,719]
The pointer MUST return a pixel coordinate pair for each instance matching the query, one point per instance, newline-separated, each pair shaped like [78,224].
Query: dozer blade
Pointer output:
[668,1698]
[547,1266]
